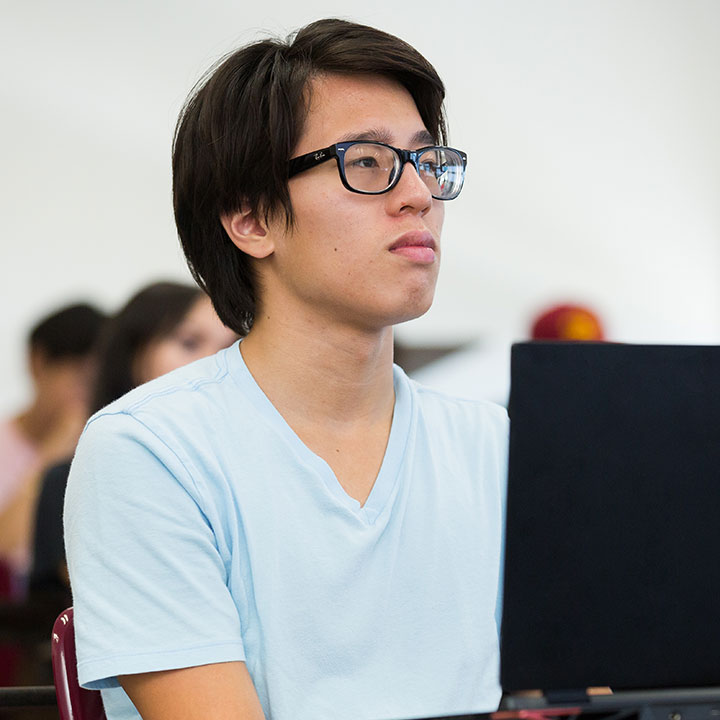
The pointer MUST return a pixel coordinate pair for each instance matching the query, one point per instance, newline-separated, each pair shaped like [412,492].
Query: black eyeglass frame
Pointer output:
[309,160]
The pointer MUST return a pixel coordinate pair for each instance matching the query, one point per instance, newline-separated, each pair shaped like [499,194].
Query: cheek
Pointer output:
[224,339]
[435,218]
[203,349]
[160,359]
[334,221]
[322,237]
[440,215]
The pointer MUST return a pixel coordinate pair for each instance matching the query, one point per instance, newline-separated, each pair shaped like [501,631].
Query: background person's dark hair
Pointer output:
[69,333]
[240,126]
[151,314]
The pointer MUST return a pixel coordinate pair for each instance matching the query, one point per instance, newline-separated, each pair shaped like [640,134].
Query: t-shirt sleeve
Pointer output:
[149,582]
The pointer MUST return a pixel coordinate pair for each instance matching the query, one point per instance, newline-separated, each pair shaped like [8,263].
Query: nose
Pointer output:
[411,192]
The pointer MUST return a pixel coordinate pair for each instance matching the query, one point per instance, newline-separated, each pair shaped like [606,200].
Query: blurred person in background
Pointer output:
[61,362]
[162,327]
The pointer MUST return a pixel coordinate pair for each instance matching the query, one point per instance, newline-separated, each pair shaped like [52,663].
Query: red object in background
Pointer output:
[567,322]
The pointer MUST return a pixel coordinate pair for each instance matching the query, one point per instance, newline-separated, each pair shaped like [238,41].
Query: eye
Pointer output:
[365,163]
[190,343]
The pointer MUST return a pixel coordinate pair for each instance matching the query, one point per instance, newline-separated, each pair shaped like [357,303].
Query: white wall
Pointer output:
[591,128]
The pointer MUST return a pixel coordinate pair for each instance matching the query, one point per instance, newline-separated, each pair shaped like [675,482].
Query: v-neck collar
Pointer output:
[388,475]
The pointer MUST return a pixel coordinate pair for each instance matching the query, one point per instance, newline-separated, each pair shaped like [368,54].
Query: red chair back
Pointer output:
[74,702]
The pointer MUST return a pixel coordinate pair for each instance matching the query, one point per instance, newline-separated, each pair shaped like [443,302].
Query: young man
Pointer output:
[292,528]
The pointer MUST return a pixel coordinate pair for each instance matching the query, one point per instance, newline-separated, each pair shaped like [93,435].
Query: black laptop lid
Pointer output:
[612,567]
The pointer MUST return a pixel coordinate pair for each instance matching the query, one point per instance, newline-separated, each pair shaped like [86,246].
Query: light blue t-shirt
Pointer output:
[200,529]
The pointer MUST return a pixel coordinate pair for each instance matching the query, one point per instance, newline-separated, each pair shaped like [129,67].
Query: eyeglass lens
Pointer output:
[373,168]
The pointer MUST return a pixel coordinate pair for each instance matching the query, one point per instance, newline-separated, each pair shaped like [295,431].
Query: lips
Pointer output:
[415,238]
[418,246]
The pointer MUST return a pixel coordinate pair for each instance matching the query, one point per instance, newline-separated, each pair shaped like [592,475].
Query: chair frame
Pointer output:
[74,702]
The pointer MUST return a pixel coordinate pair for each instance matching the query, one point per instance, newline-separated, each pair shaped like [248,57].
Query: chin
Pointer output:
[404,304]
[414,307]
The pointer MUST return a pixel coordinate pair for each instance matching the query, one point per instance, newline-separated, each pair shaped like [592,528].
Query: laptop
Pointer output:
[612,565]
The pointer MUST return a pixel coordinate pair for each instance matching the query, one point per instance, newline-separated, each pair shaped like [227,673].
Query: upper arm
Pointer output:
[150,584]
[222,691]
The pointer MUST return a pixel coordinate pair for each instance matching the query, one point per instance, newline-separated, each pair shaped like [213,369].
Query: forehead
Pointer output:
[348,107]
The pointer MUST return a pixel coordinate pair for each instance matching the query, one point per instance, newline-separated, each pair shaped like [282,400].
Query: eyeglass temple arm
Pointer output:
[305,162]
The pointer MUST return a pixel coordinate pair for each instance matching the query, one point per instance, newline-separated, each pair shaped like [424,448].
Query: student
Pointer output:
[292,528]
[163,326]
[61,363]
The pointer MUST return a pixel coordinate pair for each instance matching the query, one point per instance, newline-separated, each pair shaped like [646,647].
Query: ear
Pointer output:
[248,233]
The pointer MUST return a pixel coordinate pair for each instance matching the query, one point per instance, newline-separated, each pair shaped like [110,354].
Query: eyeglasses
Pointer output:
[373,168]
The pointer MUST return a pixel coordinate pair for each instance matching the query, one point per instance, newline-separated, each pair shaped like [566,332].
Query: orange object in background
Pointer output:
[567,322]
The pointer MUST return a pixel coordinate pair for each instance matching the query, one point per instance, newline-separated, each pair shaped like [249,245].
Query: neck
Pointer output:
[36,422]
[331,375]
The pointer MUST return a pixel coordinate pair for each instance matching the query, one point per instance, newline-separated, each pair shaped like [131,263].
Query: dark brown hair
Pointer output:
[68,333]
[240,125]
[152,313]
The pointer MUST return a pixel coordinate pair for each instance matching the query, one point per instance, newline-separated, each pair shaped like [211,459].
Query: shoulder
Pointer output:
[154,425]
[190,381]
[177,429]
[187,398]
[13,443]
[19,459]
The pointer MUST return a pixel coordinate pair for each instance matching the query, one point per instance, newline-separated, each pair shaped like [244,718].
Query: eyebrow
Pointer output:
[420,138]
